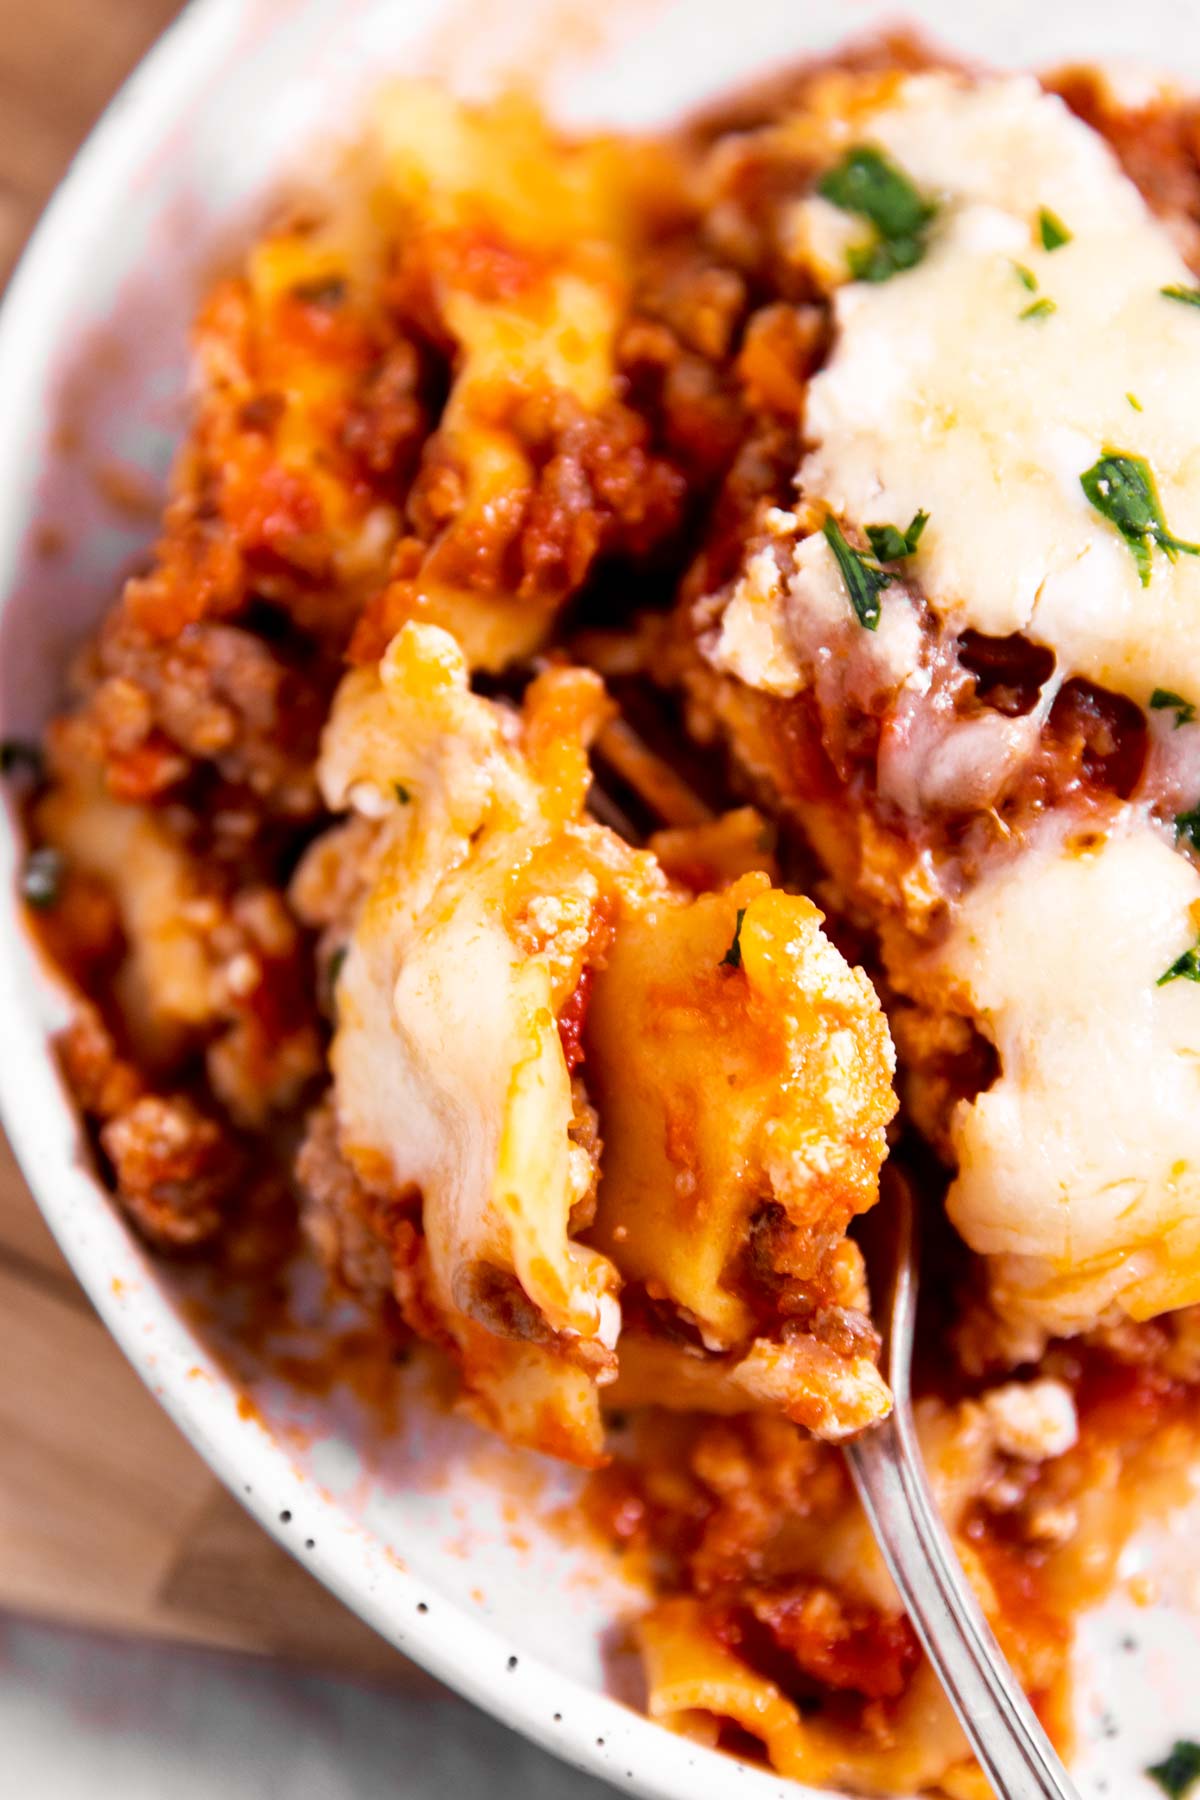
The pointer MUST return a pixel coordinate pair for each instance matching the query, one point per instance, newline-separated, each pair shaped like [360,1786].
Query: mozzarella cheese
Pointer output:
[448,1069]
[940,395]
[484,903]
[1079,1168]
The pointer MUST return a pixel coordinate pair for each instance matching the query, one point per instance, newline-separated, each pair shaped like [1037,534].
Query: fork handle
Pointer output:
[1001,1726]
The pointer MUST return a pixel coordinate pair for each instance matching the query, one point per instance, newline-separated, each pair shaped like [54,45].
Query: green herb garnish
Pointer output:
[325,290]
[1054,233]
[333,969]
[866,183]
[1184,968]
[1190,296]
[880,261]
[1178,1772]
[1187,828]
[1135,402]
[893,545]
[42,878]
[1122,490]
[1037,309]
[1166,700]
[864,580]
[402,793]
[20,753]
[732,958]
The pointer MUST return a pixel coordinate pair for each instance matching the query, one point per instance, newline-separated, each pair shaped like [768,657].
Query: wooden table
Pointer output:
[107,1516]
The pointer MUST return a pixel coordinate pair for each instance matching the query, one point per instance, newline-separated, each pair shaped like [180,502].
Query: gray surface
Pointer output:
[85,1717]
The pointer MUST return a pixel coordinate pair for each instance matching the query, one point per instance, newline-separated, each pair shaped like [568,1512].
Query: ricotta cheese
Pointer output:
[1032,1420]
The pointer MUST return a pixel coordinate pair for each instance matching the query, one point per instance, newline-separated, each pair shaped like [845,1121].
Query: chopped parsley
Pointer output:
[864,579]
[732,958]
[1166,700]
[865,182]
[325,290]
[1037,309]
[1135,403]
[1122,490]
[19,753]
[1184,968]
[893,545]
[402,793]
[1187,828]
[1190,296]
[333,969]
[1052,231]
[42,878]
[1178,1773]
[880,261]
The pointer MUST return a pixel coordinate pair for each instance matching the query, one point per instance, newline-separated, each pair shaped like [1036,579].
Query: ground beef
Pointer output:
[335,1212]
[104,1083]
[387,425]
[836,1643]
[175,1168]
[217,695]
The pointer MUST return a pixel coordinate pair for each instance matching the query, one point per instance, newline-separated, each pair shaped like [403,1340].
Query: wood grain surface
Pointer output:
[107,1516]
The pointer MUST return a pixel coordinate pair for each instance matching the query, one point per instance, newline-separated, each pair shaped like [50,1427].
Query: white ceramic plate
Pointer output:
[422,1536]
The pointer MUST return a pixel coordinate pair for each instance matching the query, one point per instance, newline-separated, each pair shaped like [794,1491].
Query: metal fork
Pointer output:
[889,1473]
[885,1461]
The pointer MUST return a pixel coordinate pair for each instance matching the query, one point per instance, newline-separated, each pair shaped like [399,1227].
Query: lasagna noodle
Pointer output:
[699,1677]
[520,244]
[694,1683]
[735,1061]
[449,1075]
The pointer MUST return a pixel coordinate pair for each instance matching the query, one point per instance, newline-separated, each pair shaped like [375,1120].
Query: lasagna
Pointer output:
[665,684]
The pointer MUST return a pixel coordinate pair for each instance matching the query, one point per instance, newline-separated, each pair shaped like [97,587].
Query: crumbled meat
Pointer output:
[495,1297]
[175,1169]
[387,424]
[104,1083]
[216,695]
[336,1214]
[598,487]
[837,1643]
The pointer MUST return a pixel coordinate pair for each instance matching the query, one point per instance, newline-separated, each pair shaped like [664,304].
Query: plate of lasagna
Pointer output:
[658,701]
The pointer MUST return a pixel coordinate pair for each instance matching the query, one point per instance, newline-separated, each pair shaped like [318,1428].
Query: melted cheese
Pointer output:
[1079,1169]
[753,641]
[485,902]
[938,395]
[448,1068]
